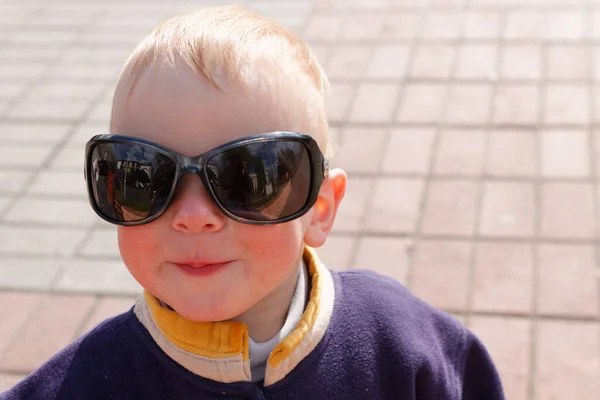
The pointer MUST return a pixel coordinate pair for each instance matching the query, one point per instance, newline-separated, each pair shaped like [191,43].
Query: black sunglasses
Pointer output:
[263,179]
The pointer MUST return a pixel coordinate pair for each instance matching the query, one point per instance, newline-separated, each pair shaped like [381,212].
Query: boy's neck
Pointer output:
[268,316]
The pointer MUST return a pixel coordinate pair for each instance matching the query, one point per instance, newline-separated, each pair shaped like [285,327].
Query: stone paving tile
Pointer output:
[520,61]
[565,154]
[84,133]
[50,21]
[460,152]
[595,19]
[55,89]
[69,158]
[388,62]
[351,211]
[91,276]
[358,26]
[48,38]
[516,104]
[323,26]
[400,26]
[503,277]
[395,205]
[433,61]
[567,280]
[524,24]
[360,149]
[566,104]
[50,327]
[101,112]
[321,51]
[510,352]
[336,253]
[348,62]
[13,317]
[374,103]
[481,24]
[16,52]
[95,55]
[451,208]
[102,242]
[440,273]
[32,133]
[59,182]
[21,70]
[28,273]
[51,211]
[4,202]
[107,307]
[475,61]
[508,209]
[571,369]
[421,103]
[12,181]
[512,153]
[7,381]
[43,109]
[387,256]
[441,25]
[68,70]
[567,62]
[23,156]
[565,25]
[409,150]
[574,221]
[340,100]
[11,90]
[39,241]
[468,104]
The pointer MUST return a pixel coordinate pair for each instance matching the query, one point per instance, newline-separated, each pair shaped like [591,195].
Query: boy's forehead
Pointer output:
[176,108]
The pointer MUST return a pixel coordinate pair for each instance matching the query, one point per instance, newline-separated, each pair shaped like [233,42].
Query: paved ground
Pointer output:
[468,128]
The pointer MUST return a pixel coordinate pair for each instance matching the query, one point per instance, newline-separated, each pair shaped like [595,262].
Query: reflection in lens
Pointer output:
[130,182]
[262,181]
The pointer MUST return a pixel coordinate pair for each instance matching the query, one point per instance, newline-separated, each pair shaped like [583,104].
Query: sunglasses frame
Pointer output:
[198,165]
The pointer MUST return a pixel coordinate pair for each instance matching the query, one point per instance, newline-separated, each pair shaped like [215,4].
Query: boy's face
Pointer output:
[177,109]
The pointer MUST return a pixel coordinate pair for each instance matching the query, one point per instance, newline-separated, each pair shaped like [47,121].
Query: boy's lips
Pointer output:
[201,268]
[200,264]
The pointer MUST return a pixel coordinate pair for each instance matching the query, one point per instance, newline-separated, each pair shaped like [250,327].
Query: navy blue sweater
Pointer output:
[381,343]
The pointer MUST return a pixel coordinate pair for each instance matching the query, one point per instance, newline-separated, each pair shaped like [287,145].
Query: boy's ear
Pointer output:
[331,194]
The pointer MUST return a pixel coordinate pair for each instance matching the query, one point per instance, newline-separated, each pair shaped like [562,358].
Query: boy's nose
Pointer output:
[194,211]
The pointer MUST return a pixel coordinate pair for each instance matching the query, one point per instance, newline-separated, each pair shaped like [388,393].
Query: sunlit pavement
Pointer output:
[467,128]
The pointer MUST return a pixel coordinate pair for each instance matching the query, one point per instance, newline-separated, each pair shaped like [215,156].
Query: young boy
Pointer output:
[220,233]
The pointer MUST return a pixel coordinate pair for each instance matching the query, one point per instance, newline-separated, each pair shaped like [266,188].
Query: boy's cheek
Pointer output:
[135,242]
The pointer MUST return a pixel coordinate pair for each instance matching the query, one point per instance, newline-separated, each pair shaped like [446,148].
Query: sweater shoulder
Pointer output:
[90,352]
[389,315]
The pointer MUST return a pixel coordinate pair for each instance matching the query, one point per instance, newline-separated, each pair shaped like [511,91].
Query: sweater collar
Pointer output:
[220,351]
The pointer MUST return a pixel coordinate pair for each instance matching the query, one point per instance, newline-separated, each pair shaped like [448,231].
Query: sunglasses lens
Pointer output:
[129,182]
[262,181]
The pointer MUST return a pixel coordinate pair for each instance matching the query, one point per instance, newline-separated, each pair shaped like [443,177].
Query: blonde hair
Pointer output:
[235,44]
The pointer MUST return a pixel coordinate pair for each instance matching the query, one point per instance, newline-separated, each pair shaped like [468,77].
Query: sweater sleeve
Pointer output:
[480,378]
[45,382]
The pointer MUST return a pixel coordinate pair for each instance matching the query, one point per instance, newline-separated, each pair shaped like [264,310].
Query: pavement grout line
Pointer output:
[438,176]
[592,143]
[537,229]
[57,147]
[74,293]
[481,182]
[417,237]
[414,41]
[347,113]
